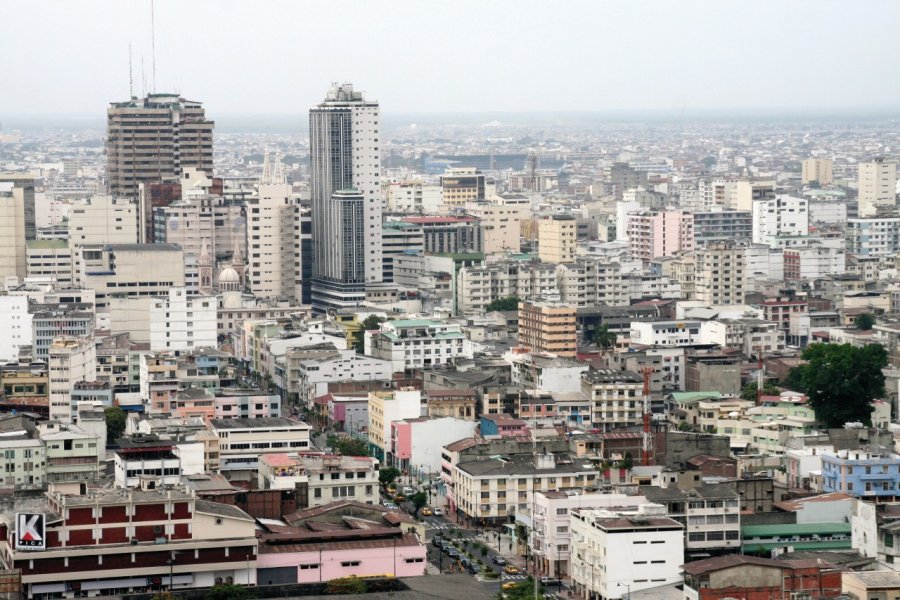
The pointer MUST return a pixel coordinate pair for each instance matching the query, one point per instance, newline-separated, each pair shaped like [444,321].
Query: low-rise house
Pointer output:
[740,576]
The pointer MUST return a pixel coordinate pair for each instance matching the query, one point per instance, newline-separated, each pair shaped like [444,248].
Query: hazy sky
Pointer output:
[265,56]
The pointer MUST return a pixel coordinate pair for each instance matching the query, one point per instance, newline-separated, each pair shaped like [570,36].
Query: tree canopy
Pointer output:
[508,303]
[369,323]
[748,392]
[388,475]
[228,591]
[348,446]
[842,381]
[115,422]
[419,499]
[865,321]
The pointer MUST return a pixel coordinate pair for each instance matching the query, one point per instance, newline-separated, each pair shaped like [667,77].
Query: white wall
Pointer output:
[428,437]
[15,326]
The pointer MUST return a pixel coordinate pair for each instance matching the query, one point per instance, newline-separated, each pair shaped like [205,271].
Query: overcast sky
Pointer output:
[276,57]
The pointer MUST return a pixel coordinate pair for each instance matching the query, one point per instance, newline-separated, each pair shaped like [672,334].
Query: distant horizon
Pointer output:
[292,122]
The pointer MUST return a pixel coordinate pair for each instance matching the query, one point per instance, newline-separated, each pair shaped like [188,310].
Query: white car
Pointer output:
[437,512]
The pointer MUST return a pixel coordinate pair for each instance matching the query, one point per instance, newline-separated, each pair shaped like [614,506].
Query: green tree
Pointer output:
[388,475]
[347,585]
[508,303]
[228,591]
[115,422]
[369,323]
[348,446]
[842,381]
[865,321]
[627,462]
[604,338]
[748,392]
[419,499]
[794,380]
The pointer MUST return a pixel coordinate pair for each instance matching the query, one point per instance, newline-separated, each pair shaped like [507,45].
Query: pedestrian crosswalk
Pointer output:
[517,577]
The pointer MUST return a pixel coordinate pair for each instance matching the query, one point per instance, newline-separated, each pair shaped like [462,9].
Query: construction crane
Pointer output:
[647,446]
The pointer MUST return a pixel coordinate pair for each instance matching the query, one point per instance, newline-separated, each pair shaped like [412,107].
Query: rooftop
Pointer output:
[257,423]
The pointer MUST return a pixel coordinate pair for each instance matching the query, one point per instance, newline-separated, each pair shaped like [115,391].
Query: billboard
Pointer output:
[30,531]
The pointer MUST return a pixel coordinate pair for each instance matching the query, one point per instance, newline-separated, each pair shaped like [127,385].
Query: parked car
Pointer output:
[549,581]
[437,512]
[437,542]
[451,552]
[499,560]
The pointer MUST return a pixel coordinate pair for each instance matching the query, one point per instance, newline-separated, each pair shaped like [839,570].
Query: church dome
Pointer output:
[229,275]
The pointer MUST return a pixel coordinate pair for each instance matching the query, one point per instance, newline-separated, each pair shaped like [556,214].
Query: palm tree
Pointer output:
[604,338]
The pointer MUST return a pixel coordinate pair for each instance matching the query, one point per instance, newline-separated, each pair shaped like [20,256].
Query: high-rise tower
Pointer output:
[154,139]
[344,156]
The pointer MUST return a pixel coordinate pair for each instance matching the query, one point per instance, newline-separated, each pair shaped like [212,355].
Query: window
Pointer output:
[350,563]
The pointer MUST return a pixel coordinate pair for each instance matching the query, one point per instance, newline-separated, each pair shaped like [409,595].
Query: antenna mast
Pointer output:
[647,449]
[130,74]
[153,42]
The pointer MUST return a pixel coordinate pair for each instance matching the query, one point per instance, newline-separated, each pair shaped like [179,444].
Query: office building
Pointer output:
[548,327]
[460,186]
[819,170]
[15,326]
[501,225]
[399,238]
[449,235]
[70,360]
[24,183]
[155,139]
[130,270]
[243,441]
[556,238]
[344,155]
[743,193]
[103,220]
[877,187]
[49,261]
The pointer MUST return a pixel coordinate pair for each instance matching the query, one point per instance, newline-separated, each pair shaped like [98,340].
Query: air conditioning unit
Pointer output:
[134,541]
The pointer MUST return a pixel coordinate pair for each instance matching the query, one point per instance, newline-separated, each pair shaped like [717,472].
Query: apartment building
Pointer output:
[779,217]
[416,443]
[74,455]
[383,409]
[492,489]
[179,323]
[501,224]
[616,397]
[23,455]
[309,370]
[104,220]
[665,333]
[548,327]
[615,554]
[51,321]
[557,236]
[877,186]
[813,262]
[723,226]
[820,170]
[69,361]
[417,343]
[321,478]
[660,233]
[449,234]
[719,274]
[711,514]
[15,326]
[552,539]
[12,231]
[873,236]
[861,474]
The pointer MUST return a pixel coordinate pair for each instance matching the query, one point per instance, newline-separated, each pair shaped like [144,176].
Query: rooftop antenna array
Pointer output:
[130,74]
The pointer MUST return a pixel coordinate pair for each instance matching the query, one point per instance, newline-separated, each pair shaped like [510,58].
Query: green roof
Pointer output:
[47,244]
[448,335]
[694,396]
[788,529]
[811,545]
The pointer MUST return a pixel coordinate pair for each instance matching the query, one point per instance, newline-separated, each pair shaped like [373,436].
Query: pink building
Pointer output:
[502,426]
[318,559]
[656,234]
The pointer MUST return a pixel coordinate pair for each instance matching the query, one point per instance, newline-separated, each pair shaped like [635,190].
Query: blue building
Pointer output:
[861,474]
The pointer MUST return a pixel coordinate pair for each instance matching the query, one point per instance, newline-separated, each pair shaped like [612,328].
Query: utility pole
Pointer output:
[647,446]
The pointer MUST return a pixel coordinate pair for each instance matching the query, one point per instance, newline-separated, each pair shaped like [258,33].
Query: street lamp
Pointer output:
[627,587]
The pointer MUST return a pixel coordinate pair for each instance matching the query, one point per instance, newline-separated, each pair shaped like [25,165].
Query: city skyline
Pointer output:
[613,57]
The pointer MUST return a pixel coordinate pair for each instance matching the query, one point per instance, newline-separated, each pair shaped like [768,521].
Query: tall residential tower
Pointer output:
[346,198]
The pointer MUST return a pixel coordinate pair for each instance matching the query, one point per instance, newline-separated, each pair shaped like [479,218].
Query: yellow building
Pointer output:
[548,327]
[818,169]
[556,238]
[463,185]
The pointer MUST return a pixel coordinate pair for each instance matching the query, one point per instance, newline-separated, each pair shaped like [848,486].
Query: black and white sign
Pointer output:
[30,531]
